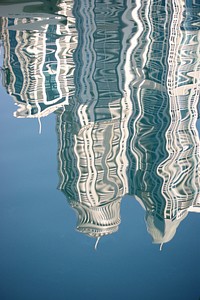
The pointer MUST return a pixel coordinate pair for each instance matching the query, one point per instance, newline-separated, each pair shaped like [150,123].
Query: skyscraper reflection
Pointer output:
[90,153]
[38,64]
[123,79]
[164,139]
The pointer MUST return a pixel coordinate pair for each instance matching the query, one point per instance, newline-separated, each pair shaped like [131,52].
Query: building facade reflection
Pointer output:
[90,154]
[164,139]
[38,56]
[123,79]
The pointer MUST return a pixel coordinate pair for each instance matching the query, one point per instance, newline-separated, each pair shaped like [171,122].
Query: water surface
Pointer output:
[101,150]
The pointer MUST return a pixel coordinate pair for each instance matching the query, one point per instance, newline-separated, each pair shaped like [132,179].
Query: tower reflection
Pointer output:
[123,81]
[90,152]
[164,142]
[38,50]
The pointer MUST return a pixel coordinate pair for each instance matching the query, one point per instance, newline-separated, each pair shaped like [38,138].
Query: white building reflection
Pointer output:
[164,139]
[91,152]
[38,56]
[123,79]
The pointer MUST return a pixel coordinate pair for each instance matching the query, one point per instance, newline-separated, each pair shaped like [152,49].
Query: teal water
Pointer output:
[100,150]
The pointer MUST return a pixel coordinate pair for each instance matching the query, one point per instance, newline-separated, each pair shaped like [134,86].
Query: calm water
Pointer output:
[100,153]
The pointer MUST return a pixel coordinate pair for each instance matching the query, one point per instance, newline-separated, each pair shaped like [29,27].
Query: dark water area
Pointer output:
[100,152]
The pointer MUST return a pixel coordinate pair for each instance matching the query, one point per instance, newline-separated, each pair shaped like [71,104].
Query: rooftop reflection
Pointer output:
[124,84]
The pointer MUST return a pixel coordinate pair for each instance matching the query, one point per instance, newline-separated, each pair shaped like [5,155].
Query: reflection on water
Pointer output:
[35,60]
[123,79]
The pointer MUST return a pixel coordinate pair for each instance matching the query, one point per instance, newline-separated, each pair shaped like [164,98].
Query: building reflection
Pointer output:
[124,83]
[164,142]
[89,129]
[38,57]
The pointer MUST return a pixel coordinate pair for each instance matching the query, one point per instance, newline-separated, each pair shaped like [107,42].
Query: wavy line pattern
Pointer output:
[123,78]
[41,78]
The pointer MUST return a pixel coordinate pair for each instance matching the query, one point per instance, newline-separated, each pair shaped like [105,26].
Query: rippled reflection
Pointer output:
[38,63]
[123,78]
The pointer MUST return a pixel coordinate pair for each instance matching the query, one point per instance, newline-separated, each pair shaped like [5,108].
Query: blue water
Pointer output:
[116,155]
